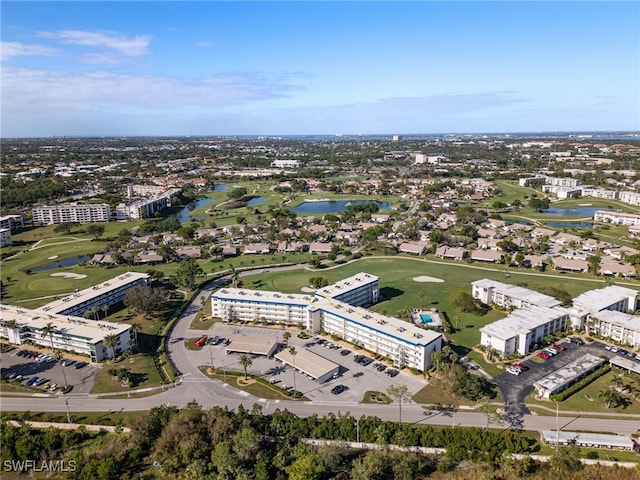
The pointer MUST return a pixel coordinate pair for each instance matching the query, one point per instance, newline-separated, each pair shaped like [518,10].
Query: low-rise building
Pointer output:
[5,237]
[510,296]
[566,376]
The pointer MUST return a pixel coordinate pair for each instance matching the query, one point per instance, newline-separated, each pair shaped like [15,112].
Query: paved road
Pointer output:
[209,393]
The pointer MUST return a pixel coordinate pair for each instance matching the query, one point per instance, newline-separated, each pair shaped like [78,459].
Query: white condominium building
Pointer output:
[522,328]
[510,296]
[12,222]
[331,310]
[86,213]
[613,297]
[74,334]
[144,208]
[618,326]
[104,294]
[255,305]
[5,237]
[360,290]
[618,218]
[402,342]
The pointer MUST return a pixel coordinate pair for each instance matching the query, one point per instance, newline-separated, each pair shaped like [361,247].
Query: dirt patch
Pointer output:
[243,383]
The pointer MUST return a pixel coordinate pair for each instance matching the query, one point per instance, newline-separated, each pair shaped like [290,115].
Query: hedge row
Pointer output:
[576,387]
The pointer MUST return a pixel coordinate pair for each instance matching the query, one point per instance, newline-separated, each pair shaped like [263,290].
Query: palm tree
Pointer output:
[293,353]
[105,310]
[609,397]
[49,329]
[245,362]
[58,355]
[286,336]
[135,328]
[110,342]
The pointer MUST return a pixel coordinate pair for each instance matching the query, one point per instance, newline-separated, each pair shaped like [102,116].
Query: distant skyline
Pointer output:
[317,68]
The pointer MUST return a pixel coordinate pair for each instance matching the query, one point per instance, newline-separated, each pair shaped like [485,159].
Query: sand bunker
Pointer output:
[308,289]
[52,257]
[424,279]
[68,275]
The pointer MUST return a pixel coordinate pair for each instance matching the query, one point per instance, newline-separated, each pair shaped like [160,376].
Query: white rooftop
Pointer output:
[520,293]
[405,331]
[88,293]
[618,441]
[621,319]
[308,362]
[356,281]
[602,298]
[240,294]
[91,331]
[568,373]
[252,344]
[521,321]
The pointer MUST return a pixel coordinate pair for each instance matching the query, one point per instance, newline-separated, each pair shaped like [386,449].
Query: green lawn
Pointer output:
[144,374]
[588,400]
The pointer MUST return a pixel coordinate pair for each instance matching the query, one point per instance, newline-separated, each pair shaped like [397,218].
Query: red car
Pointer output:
[200,342]
[560,348]
[521,367]
[544,356]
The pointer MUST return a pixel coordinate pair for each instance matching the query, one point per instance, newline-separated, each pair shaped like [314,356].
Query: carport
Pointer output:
[312,364]
[627,364]
[253,345]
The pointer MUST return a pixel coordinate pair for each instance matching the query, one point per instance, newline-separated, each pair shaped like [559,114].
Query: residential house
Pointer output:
[570,264]
[412,247]
[256,248]
[320,247]
[457,253]
[492,256]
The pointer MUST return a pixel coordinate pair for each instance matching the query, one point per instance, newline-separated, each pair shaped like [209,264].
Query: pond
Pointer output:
[569,224]
[334,206]
[183,215]
[65,262]
[220,188]
[576,212]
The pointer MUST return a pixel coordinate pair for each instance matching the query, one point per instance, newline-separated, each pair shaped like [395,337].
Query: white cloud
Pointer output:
[130,46]
[16,49]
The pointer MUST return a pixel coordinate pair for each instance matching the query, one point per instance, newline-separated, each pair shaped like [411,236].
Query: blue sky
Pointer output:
[279,68]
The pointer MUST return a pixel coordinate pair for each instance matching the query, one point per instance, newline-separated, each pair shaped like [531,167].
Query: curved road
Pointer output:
[208,393]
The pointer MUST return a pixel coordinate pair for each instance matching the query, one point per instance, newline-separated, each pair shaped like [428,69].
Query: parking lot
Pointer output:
[22,365]
[357,378]
[515,388]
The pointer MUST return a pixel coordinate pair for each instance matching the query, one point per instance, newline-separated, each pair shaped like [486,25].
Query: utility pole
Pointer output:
[557,430]
[66,402]
[357,430]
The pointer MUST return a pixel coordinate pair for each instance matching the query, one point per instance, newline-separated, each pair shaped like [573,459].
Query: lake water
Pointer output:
[576,212]
[183,215]
[569,224]
[65,262]
[220,188]
[256,201]
[335,206]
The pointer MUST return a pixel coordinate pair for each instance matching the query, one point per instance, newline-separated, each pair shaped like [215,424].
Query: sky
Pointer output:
[84,68]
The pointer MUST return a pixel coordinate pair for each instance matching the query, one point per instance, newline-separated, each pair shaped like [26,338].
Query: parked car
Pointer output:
[31,381]
[522,368]
[550,351]
[344,353]
[67,362]
[623,351]
[514,371]
[544,356]
[392,372]
[615,349]
[338,389]
[560,348]
[576,340]
[201,341]
[80,365]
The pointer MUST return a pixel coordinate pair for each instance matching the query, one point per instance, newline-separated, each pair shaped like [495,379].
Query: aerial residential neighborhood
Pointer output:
[319,240]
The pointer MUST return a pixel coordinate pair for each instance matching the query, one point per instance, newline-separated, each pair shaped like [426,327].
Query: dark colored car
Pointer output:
[344,353]
[80,365]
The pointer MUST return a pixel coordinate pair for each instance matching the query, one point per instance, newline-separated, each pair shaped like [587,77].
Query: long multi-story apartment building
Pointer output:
[106,293]
[618,218]
[510,296]
[144,208]
[337,310]
[613,297]
[590,191]
[632,198]
[71,333]
[76,213]
[618,326]
[15,223]
[523,328]
[360,290]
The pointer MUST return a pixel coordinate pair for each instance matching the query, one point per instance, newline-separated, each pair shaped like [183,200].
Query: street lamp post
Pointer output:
[211,356]
[66,402]
[357,430]
[557,430]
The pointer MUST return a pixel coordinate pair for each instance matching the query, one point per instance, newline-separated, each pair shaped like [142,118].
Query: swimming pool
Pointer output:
[426,318]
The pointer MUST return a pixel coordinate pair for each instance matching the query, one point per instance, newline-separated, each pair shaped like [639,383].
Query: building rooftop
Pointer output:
[401,330]
[602,298]
[521,321]
[307,362]
[91,331]
[569,372]
[243,294]
[519,293]
[252,344]
[625,320]
[580,438]
[348,284]
[82,296]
